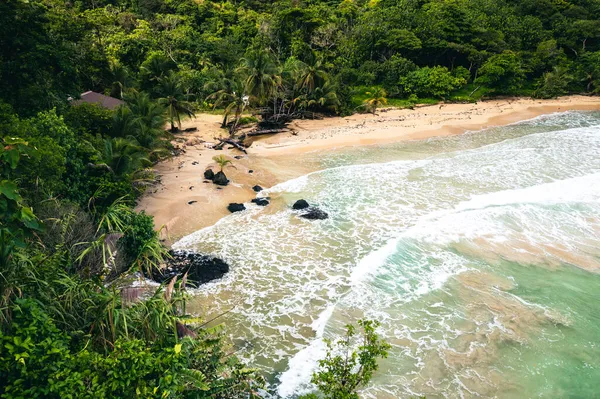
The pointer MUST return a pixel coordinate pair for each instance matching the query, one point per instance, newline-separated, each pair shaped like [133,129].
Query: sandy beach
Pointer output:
[184,202]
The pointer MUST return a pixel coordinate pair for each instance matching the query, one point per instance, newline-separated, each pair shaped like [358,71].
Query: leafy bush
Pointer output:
[246,120]
[344,368]
[503,73]
[431,82]
[554,83]
[393,70]
[139,232]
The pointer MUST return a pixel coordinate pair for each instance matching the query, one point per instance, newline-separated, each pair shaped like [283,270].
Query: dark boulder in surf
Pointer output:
[234,207]
[314,214]
[261,201]
[300,204]
[220,179]
[209,174]
[200,268]
[257,188]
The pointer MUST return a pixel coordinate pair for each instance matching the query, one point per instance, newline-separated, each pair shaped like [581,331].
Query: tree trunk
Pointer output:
[224,124]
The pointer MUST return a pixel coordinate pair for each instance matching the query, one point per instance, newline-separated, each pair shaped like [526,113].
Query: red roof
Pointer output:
[92,97]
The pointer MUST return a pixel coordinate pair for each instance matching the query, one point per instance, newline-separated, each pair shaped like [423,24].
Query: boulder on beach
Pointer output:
[314,214]
[234,207]
[209,174]
[300,204]
[200,268]
[261,201]
[257,188]
[220,179]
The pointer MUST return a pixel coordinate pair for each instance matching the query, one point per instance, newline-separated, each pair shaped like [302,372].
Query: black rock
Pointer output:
[250,171]
[257,188]
[220,179]
[233,207]
[238,157]
[261,201]
[314,214]
[200,268]
[209,174]
[300,204]
[195,163]
[192,202]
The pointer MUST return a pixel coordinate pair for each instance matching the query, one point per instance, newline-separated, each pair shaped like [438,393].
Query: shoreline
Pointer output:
[183,203]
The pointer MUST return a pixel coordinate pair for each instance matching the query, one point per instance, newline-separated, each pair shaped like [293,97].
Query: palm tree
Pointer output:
[120,79]
[326,97]
[222,161]
[234,100]
[311,74]
[376,98]
[122,156]
[262,75]
[145,111]
[142,121]
[173,99]
[224,83]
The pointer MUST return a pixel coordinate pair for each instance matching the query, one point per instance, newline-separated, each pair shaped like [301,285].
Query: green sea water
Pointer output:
[479,254]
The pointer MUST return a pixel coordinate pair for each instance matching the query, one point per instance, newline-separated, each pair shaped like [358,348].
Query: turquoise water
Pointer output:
[479,254]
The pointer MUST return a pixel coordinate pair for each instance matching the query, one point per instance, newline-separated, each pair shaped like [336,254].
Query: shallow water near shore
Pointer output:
[479,254]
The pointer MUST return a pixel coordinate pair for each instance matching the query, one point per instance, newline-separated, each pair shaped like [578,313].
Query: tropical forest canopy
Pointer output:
[53,49]
[71,173]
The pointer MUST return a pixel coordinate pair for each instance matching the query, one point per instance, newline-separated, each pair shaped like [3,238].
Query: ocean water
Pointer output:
[479,254]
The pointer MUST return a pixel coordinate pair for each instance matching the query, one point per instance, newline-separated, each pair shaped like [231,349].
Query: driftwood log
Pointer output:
[268,131]
[232,142]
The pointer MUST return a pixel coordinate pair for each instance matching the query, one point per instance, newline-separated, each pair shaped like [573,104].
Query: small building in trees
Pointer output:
[91,97]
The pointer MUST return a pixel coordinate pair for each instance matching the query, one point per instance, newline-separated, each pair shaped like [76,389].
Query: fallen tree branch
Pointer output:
[268,131]
[232,142]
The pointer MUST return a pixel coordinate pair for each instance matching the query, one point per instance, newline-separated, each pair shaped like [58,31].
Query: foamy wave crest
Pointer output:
[578,189]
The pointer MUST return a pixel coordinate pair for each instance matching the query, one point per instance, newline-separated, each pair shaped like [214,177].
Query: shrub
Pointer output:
[139,233]
[431,82]
[503,73]
[344,370]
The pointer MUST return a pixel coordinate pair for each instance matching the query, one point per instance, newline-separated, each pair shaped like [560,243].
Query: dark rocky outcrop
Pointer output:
[220,179]
[250,171]
[200,268]
[209,174]
[314,214]
[261,201]
[300,204]
[257,188]
[233,207]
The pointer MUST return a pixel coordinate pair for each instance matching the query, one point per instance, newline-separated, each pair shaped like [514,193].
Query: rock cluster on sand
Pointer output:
[300,204]
[234,207]
[209,174]
[200,268]
[314,214]
[261,201]
[311,212]
[220,179]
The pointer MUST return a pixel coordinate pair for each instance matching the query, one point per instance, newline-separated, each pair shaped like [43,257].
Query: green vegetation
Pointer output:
[71,173]
[222,161]
[344,368]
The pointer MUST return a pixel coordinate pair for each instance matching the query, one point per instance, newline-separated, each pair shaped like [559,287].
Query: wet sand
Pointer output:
[183,202]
